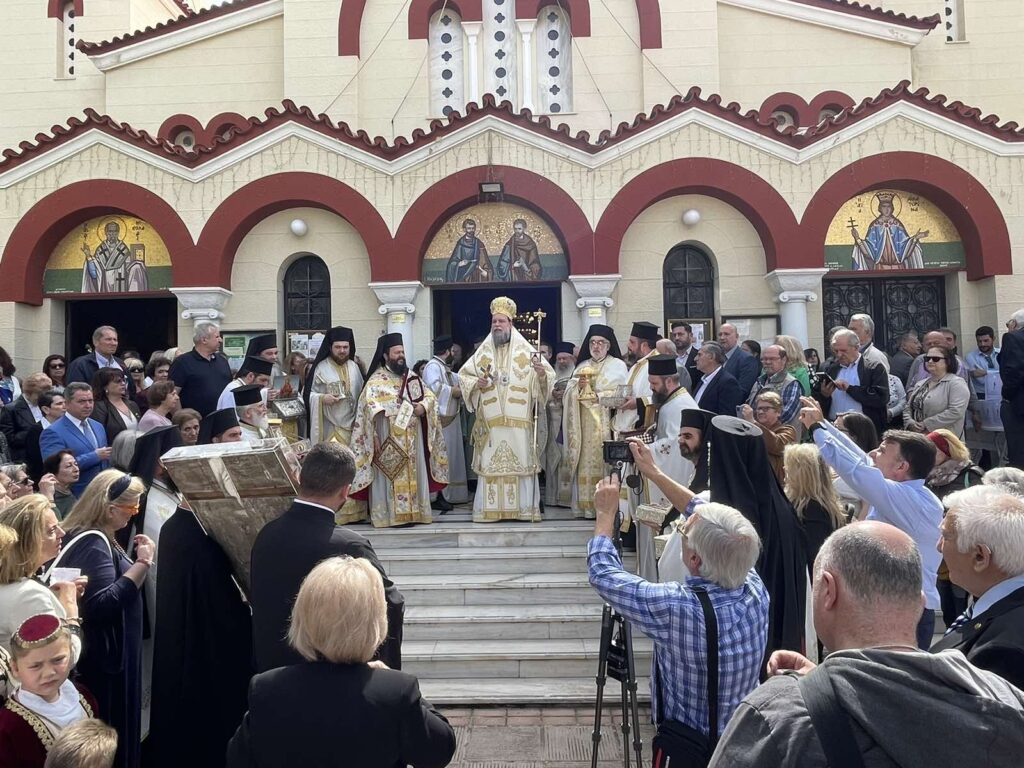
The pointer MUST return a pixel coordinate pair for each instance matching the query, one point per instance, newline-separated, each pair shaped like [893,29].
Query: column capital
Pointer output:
[526,26]
[387,309]
[594,286]
[472,29]
[401,292]
[785,281]
[202,304]
[790,296]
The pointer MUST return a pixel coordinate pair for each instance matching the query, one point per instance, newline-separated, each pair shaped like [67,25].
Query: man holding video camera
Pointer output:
[720,548]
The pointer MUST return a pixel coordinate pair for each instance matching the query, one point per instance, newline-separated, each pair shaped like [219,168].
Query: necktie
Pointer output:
[988,359]
[962,619]
[89,434]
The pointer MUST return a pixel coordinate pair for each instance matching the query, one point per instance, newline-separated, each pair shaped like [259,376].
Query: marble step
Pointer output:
[480,535]
[497,589]
[437,560]
[565,658]
[535,690]
[494,622]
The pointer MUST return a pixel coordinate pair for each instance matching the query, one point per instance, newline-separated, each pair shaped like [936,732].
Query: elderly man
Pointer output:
[982,543]
[18,418]
[776,378]
[203,372]
[892,481]
[853,383]
[864,327]
[506,383]
[251,409]
[720,548]
[104,345]
[719,391]
[739,362]
[1011,369]
[910,348]
[886,698]
[938,338]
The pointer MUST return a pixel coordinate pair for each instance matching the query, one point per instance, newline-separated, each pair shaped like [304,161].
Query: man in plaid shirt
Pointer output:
[720,547]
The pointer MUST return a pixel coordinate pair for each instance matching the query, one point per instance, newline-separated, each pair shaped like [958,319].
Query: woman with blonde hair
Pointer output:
[31,535]
[809,487]
[795,363]
[111,663]
[338,699]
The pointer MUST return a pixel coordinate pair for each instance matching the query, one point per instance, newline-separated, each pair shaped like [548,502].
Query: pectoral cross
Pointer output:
[119,282]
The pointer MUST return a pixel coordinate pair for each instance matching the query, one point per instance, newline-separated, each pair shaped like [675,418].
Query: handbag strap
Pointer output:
[67,548]
[830,722]
[711,635]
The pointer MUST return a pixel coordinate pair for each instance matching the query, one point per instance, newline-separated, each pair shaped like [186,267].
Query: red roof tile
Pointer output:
[254,127]
[873,12]
[188,19]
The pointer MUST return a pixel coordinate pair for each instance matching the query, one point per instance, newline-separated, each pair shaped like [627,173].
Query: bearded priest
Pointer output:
[251,409]
[397,439]
[506,383]
[586,424]
[331,393]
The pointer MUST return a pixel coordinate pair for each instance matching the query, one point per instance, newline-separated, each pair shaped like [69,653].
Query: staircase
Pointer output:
[501,613]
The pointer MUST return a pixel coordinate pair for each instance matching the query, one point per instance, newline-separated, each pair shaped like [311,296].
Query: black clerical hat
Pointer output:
[258,344]
[257,365]
[662,365]
[442,344]
[216,424]
[249,394]
[647,331]
[565,348]
[695,418]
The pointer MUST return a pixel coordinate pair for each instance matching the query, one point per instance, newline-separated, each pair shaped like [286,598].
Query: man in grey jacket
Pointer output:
[905,707]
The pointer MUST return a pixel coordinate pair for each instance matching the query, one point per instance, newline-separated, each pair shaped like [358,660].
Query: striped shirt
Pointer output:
[671,615]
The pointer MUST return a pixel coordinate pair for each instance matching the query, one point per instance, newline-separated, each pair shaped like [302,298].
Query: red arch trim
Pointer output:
[55,8]
[957,193]
[350,20]
[803,113]
[246,207]
[754,197]
[420,12]
[578,10]
[444,198]
[38,232]
[649,13]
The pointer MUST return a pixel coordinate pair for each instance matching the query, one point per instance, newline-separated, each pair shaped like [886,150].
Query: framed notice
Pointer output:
[703,329]
[234,344]
[761,328]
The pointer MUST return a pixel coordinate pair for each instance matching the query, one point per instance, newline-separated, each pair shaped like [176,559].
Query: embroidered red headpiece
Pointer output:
[37,631]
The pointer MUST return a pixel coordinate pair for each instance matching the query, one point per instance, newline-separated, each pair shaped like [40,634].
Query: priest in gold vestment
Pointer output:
[397,440]
[586,424]
[331,393]
[641,346]
[506,383]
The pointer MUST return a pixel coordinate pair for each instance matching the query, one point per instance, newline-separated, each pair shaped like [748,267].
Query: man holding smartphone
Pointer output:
[851,383]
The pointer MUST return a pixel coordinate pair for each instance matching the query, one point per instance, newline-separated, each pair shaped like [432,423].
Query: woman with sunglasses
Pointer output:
[113,408]
[56,367]
[939,401]
[111,609]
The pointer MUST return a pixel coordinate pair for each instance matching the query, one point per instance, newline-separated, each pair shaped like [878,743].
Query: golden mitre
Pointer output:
[503,305]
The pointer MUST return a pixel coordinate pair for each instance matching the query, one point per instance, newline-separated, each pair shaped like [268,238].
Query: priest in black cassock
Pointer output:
[220,427]
[694,435]
[742,478]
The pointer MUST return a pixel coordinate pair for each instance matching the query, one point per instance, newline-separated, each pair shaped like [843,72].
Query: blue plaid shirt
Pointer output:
[671,615]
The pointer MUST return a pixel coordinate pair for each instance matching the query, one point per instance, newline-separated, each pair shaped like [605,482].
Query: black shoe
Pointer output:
[442,504]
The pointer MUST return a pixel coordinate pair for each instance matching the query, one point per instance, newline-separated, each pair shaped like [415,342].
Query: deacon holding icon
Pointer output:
[506,383]
[397,439]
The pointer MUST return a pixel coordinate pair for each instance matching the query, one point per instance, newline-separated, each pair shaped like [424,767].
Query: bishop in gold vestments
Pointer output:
[506,383]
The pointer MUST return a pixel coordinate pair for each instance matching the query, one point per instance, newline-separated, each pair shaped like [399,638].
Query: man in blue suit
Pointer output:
[77,433]
[740,363]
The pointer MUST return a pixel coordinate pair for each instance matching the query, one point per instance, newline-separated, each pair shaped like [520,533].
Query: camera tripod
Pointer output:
[616,660]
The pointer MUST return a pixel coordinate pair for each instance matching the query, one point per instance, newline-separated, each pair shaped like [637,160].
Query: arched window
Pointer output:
[689,284]
[447,93]
[554,61]
[66,42]
[500,74]
[307,295]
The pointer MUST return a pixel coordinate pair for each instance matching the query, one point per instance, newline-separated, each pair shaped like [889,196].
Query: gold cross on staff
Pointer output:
[540,315]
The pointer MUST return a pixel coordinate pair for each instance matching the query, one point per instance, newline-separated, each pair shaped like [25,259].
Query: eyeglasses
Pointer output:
[133,508]
[934,359]
[135,370]
[599,343]
[763,408]
[25,481]
[57,365]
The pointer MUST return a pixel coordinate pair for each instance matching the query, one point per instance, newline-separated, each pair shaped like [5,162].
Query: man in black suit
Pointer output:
[686,353]
[740,363]
[51,404]
[104,345]
[18,418]
[981,536]
[855,384]
[1011,371]
[288,548]
[719,392]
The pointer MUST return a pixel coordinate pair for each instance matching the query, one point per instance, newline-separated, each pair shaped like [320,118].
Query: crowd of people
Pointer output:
[818,518]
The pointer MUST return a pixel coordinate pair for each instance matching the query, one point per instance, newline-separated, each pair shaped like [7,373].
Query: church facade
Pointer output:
[392,164]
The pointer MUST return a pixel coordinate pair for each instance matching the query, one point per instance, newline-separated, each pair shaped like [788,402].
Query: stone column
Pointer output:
[526,27]
[795,288]
[396,302]
[202,304]
[595,298]
[472,30]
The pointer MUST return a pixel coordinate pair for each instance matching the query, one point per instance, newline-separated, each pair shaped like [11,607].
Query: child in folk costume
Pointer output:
[45,701]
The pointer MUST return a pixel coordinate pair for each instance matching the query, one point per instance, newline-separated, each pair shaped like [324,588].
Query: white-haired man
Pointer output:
[982,543]
[1011,370]
[202,373]
[864,327]
[720,547]
[882,701]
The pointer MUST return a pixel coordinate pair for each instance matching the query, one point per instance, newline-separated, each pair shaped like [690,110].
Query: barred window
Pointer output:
[447,87]
[688,284]
[501,77]
[307,295]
